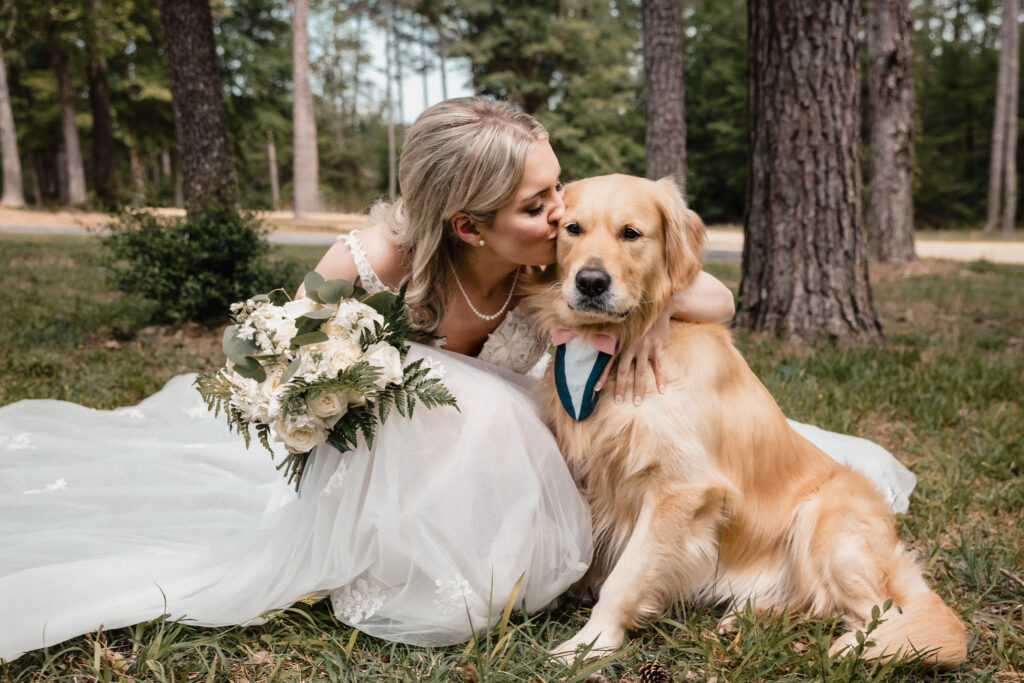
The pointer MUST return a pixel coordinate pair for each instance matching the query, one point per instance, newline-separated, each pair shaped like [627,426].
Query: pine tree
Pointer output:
[665,137]
[805,268]
[890,211]
[13,191]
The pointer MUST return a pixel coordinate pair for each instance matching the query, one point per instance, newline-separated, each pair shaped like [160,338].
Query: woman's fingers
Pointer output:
[623,375]
[639,377]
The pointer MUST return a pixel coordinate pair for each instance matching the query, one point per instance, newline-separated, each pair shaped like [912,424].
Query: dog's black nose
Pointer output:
[592,281]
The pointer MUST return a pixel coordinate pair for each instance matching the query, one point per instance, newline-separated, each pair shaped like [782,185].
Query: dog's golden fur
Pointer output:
[705,493]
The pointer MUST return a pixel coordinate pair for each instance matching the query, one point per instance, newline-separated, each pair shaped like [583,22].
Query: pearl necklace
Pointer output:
[473,308]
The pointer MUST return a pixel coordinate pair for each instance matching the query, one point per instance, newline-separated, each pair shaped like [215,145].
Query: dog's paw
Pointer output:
[594,643]
[729,625]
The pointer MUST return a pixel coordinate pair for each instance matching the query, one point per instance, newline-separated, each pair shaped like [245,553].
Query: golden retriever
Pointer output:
[705,493]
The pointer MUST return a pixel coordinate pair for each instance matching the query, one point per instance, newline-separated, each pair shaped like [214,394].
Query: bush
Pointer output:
[193,268]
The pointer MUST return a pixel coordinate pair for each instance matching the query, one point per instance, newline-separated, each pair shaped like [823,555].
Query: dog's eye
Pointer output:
[572,228]
[630,234]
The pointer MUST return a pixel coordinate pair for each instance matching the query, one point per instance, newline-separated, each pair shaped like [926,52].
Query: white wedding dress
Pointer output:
[110,518]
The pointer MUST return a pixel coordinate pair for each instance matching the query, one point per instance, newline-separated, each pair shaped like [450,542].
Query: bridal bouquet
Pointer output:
[321,369]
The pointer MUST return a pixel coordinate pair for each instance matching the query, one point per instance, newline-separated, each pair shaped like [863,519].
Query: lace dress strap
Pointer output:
[371,283]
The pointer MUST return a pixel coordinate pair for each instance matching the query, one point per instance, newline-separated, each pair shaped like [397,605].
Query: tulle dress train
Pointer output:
[110,518]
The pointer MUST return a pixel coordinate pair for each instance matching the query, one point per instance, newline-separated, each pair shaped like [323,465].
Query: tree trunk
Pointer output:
[207,158]
[890,211]
[442,52]
[72,149]
[390,105]
[275,187]
[137,169]
[1012,50]
[179,183]
[307,166]
[14,191]
[665,134]
[805,267]
[104,152]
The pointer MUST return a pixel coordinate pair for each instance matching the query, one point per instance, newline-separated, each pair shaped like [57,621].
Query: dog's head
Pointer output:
[624,245]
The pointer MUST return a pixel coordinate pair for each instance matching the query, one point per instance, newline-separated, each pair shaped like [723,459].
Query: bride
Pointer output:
[110,518]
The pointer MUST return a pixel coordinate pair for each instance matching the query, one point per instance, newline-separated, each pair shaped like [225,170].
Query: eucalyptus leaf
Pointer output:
[320,314]
[235,347]
[260,297]
[312,282]
[380,302]
[309,338]
[250,367]
[290,371]
[333,291]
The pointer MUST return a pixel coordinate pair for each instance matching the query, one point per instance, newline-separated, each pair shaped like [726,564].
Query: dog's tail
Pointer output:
[922,627]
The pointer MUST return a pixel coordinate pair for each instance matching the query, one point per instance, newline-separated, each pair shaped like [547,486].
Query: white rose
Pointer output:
[301,437]
[300,307]
[385,357]
[355,398]
[329,407]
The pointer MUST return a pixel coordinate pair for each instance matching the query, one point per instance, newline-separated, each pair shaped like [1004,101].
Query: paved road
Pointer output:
[723,245]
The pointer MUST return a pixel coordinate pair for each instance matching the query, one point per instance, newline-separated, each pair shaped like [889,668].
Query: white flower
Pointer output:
[300,434]
[329,407]
[300,307]
[385,357]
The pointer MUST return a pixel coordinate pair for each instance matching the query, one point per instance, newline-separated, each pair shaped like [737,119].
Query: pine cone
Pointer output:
[654,672]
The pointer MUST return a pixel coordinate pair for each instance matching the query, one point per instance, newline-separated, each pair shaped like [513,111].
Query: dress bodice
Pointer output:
[515,344]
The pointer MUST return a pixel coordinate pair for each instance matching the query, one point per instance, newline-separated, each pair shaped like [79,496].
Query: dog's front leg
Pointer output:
[671,550]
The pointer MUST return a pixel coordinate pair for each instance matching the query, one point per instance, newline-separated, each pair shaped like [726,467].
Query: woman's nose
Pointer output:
[557,209]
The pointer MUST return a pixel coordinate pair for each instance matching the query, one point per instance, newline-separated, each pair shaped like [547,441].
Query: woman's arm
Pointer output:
[705,300]
[383,256]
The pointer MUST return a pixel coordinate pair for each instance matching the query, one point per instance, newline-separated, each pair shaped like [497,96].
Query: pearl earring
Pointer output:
[480,243]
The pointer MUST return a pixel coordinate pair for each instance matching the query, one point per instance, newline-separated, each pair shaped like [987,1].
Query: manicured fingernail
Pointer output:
[637,400]
[597,387]
[661,388]
[618,399]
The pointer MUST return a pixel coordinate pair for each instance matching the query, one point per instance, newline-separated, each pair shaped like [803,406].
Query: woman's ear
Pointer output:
[465,229]
[684,235]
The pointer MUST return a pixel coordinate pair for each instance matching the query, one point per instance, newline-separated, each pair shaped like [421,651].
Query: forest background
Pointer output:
[577,65]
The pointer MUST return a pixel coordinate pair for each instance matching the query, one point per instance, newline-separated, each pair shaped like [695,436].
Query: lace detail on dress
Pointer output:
[514,344]
[452,595]
[371,283]
[359,600]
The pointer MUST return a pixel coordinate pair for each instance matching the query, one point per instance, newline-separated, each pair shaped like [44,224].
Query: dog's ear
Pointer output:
[684,235]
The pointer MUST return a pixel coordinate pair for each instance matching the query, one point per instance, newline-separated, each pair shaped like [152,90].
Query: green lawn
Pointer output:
[943,391]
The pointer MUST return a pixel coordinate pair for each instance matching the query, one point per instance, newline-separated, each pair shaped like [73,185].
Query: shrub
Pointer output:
[193,268]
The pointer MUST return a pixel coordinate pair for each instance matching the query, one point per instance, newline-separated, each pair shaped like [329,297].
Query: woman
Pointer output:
[111,518]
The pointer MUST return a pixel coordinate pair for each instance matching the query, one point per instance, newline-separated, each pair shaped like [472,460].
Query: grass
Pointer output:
[943,391]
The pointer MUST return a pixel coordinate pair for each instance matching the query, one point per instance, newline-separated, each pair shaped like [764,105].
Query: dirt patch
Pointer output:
[277,221]
[200,343]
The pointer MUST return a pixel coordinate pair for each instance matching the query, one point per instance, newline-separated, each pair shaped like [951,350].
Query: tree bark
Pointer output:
[207,158]
[995,170]
[275,187]
[665,134]
[14,191]
[390,105]
[307,166]
[1012,82]
[104,152]
[72,149]
[137,169]
[805,266]
[890,212]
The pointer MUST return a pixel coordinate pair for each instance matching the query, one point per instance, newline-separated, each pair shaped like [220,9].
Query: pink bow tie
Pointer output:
[602,341]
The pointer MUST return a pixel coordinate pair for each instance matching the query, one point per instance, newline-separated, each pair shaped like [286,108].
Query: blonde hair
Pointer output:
[465,154]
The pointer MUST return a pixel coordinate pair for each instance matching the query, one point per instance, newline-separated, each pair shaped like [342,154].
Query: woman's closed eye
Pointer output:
[536,211]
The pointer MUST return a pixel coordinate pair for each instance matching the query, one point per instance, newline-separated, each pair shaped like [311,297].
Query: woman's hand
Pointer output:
[705,300]
[632,369]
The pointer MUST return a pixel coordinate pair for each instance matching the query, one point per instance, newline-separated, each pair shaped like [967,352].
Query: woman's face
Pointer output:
[524,229]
